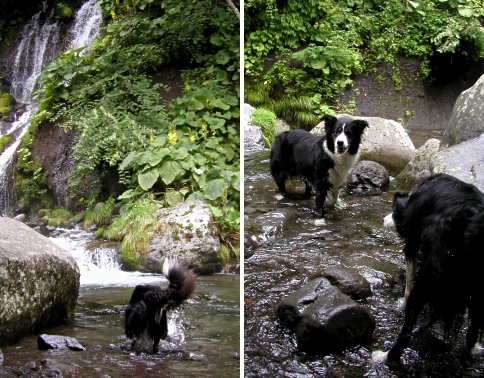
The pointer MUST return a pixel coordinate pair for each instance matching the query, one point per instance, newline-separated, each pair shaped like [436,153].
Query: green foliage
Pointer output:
[267,121]
[135,228]
[99,216]
[4,141]
[314,47]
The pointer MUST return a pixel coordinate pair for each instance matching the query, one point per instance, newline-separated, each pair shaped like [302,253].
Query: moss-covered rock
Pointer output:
[4,141]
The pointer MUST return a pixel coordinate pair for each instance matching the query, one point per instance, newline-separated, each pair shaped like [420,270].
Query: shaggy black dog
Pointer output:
[149,304]
[442,223]
[322,163]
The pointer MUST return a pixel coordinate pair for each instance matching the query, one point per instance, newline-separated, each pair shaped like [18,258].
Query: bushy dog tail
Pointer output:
[182,281]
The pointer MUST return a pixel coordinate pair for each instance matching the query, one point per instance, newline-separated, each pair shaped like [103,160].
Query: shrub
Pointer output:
[267,121]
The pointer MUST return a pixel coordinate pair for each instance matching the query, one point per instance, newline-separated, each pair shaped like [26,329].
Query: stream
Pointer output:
[203,333]
[284,249]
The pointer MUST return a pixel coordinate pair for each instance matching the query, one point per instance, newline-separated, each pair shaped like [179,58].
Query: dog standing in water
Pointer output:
[442,224]
[146,313]
[323,163]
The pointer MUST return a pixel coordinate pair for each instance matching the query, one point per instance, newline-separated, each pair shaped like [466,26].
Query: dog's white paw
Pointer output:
[320,222]
[279,197]
[380,357]
[340,204]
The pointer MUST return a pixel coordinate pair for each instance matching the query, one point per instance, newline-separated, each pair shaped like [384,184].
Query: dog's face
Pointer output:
[343,134]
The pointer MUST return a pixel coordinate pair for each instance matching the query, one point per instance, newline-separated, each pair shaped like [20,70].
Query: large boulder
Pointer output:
[464,161]
[466,120]
[324,319]
[419,166]
[385,141]
[187,234]
[39,282]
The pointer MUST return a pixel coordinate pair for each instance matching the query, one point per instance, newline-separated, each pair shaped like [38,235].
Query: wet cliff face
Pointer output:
[405,97]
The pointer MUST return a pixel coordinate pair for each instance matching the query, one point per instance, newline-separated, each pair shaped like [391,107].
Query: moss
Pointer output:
[58,222]
[5,109]
[42,213]
[79,217]
[98,234]
[4,140]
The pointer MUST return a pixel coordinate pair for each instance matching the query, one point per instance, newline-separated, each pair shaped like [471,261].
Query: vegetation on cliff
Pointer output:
[300,55]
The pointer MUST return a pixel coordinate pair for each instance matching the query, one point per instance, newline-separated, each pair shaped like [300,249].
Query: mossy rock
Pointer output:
[6,100]
[5,109]
[58,222]
[4,141]
[42,213]
[98,234]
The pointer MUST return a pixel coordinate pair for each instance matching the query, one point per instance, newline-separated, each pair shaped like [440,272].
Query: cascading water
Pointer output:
[40,44]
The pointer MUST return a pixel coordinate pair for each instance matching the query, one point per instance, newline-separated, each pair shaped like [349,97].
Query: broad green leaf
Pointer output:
[159,141]
[215,189]
[169,171]
[173,197]
[465,11]
[144,27]
[216,123]
[179,153]
[128,160]
[148,178]
[196,195]
[214,173]
[217,40]
[317,63]
[212,143]
[218,103]
[221,76]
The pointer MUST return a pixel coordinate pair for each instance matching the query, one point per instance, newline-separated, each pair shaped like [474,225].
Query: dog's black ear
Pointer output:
[329,122]
[399,201]
[360,124]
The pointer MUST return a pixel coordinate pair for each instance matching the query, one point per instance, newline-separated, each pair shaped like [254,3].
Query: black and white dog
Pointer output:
[322,163]
[442,224]
[146,313]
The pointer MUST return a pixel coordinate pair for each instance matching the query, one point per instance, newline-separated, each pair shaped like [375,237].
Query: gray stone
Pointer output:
[253,140]
[464,161]
[348,281]
[39,282]
[419,166]
[281,126]
[21,218]
[22,208]
[186,234]
[46,342]
[324,319]
[466,120]
[384,141]
[368,177]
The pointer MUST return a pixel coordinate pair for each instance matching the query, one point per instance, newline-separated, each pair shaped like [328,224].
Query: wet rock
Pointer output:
[368,177]
[187,234]
[384,141]
[22,208]
[253,140]
[39,282]
[21,218]
[419,166]
[267,226]
[53,368]
[324,319]
[348,281]
[281,126]
[46,342]
[98,207]
[465,123]
[463,161]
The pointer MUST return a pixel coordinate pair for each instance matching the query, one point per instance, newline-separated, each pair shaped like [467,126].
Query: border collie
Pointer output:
[323,162]
[443,219]
[149,304]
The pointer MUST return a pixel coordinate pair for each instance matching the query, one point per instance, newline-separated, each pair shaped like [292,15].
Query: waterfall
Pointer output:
[87,23]
[40,44]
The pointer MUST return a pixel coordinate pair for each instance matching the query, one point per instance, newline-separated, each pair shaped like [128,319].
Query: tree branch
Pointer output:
[233,8]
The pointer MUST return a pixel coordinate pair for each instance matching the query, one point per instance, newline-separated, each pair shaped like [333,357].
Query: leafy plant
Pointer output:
[267,121]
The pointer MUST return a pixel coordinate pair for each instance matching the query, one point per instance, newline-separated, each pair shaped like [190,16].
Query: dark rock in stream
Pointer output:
[46,342]
[47,368]
[324,319]
[348,281]
[368,177]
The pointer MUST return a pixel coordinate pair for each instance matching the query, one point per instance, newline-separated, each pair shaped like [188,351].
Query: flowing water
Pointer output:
[203,334]
[284,249]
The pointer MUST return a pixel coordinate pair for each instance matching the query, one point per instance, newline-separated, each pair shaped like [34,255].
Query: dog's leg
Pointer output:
[410,267]
[133,345]
[475,316]
[307,193]
[416,301]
